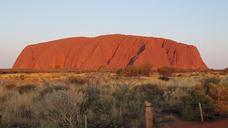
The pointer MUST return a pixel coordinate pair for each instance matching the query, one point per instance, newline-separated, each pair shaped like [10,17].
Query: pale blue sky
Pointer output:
[203,23]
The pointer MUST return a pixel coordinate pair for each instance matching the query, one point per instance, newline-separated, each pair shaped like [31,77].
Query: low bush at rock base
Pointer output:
[144,70]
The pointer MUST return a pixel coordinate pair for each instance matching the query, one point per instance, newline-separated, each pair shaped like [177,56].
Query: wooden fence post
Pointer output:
[148,115]
[201,113]
[86,122]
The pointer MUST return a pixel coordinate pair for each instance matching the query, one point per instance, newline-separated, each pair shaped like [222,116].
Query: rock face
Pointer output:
[109,52]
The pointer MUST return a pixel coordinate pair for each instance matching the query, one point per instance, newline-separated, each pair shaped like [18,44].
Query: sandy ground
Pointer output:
[215,124]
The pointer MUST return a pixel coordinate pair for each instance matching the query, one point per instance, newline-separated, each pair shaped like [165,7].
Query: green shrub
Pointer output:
[219,93]
[128,106]
[211,80]
[98,107]
[61,109]
[190,106]
[207,83]
[151,93]
[118,107]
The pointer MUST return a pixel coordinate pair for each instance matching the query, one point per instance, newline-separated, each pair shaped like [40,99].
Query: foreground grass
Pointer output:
[107,100]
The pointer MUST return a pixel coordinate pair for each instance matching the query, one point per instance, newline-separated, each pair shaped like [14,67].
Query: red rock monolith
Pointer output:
[109,52]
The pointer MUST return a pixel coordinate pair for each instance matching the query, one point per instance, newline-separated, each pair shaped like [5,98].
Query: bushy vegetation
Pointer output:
[190,106]
[104,106]
[207,83]
[214,99]
[65,104]
[144,70]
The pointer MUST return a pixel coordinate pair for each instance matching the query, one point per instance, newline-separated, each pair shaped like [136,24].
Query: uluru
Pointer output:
[109,52]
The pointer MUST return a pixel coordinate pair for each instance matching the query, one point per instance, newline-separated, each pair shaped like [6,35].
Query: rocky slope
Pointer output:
[111,52]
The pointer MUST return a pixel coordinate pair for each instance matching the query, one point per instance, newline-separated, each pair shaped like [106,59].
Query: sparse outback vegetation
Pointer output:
[107,100]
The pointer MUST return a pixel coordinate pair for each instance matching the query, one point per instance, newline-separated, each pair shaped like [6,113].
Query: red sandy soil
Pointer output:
[215,124]
[109,52]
